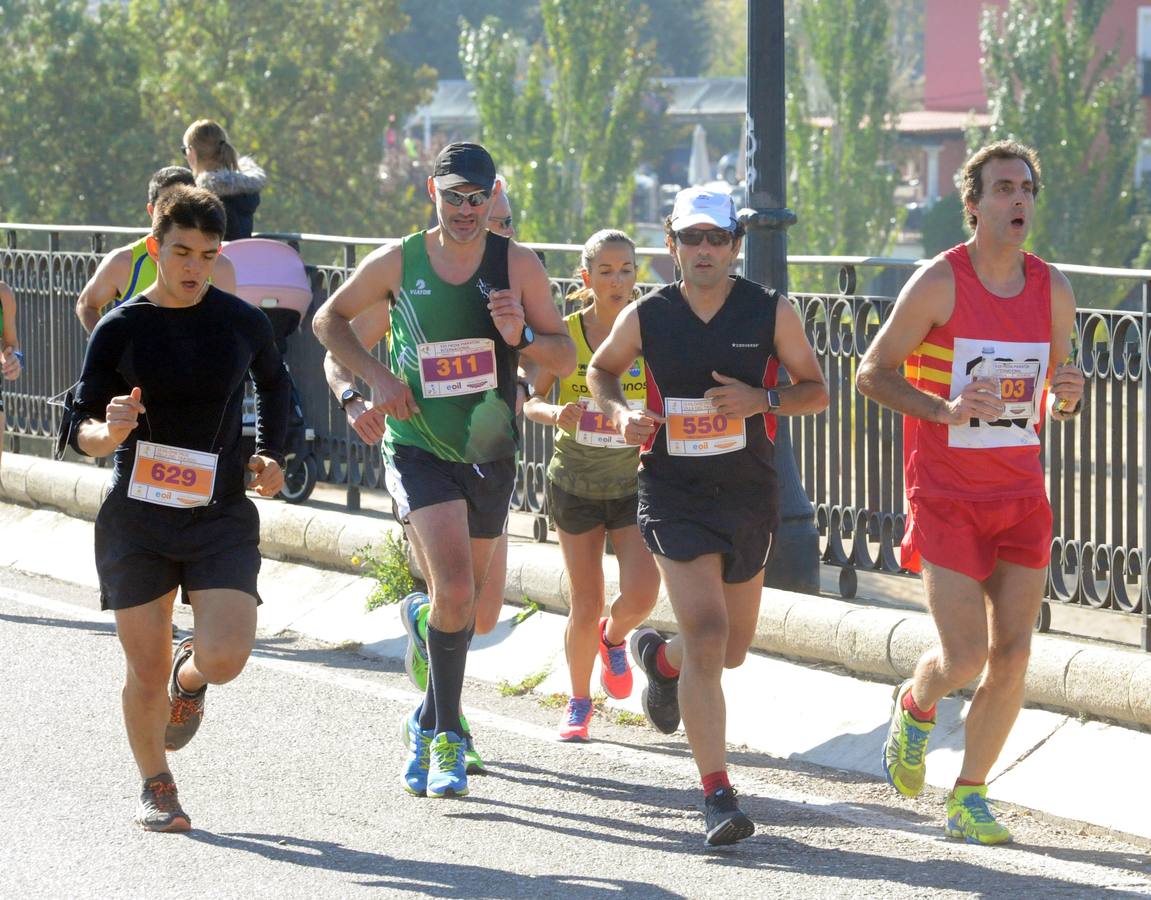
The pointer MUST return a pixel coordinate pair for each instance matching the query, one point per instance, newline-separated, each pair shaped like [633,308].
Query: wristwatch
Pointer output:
[526,339]
[348,396]
[772,400]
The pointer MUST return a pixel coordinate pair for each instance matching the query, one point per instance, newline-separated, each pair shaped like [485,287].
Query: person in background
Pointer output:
[235,179]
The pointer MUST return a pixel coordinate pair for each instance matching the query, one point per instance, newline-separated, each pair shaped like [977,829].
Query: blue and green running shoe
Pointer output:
[418,741]
[414,610]
[447,767]
[970,819]
[904,754]
[475,762]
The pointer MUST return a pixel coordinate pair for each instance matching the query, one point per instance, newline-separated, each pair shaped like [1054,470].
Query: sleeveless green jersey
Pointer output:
[444,345]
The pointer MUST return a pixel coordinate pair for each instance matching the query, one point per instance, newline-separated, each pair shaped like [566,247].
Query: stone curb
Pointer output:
[884,644]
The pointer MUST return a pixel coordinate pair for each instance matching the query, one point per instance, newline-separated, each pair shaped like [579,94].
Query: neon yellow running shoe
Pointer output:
[904,754]
[969,819]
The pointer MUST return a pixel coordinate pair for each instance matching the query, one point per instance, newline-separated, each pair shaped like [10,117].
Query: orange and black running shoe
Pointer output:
[187,710]
[159,808]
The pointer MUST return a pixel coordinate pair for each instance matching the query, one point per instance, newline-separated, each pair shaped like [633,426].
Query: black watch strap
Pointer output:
[348,396]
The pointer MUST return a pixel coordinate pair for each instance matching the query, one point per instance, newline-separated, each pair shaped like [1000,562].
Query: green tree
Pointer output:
[75,146]
[1050,86]
[840,128]
[304,86]
[728,56]
[568,152]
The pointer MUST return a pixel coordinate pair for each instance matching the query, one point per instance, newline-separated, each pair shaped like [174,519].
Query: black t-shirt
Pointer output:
[681,351]
[190,364]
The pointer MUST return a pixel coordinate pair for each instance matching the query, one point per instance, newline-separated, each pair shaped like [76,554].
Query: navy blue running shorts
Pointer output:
[143,551]
[416,478]
[684,524]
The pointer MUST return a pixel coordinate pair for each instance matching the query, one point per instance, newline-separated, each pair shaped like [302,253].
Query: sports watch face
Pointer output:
[348,396]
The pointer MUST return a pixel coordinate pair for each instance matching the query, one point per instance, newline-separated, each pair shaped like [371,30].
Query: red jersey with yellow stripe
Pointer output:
[1006,339]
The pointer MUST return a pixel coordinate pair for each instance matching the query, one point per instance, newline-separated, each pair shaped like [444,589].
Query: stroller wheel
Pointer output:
[300,478]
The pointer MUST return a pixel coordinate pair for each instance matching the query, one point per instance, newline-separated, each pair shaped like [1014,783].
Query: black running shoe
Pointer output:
[186,710]
[725,823]
[661,696]
[159,808]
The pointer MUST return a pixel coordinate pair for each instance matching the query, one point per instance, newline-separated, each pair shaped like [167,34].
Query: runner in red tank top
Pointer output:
[981,333]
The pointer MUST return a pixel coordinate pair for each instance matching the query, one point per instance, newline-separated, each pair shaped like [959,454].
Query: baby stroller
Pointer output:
[271,277]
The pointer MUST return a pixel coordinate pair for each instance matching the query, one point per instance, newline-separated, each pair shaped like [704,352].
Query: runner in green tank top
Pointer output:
[460,304]
[592,489]
[129,270]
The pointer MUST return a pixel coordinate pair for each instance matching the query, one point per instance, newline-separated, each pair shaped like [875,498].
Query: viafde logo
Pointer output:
[421,288]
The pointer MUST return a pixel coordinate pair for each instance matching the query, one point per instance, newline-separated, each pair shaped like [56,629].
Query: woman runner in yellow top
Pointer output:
[592,486]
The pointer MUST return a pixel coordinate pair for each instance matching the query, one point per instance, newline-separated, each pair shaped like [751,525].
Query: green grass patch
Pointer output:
[530,608]
[529,684]
[388,565]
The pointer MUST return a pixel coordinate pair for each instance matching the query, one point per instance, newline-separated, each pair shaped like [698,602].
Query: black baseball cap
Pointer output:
[464,163]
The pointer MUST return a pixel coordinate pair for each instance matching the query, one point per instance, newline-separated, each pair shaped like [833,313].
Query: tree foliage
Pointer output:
[304,86]
[1050,86]
[91,106]
[840,129]
[568,151]
[75,145]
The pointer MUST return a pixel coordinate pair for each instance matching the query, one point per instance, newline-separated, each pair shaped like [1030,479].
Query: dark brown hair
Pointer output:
[189,207]
[971,190]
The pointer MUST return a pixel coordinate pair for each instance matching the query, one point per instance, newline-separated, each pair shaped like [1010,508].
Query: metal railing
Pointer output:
[849,457]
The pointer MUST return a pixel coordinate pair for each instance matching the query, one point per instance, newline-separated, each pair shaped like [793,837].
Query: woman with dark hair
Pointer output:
[236,180]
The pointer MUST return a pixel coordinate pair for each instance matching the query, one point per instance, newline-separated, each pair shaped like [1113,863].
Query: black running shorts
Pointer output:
[416,478]
[143,551]
[684,524]
[577,515]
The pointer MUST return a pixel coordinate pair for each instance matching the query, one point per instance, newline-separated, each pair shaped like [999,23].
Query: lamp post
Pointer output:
[795,556]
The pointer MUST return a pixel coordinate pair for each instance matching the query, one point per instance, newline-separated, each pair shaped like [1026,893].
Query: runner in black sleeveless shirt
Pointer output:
[707,481]
[162,389]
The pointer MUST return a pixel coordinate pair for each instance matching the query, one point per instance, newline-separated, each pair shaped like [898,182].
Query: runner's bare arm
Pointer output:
[622,345]
[372,285]
[1067,383]
[553,349]
[926,301]
[370,327]
[111,277]
[537,408]
[807,392]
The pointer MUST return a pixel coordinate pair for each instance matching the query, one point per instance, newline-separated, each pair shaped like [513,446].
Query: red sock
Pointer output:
[918,714]
[603,634]
[715,781]
[963,782]
[665,668]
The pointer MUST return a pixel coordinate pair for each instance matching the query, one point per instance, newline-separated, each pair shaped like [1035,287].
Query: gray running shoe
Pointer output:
[159,808]
[187,710]
[661,696]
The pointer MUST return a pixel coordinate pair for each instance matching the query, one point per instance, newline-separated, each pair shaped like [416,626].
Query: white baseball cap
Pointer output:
[699,206]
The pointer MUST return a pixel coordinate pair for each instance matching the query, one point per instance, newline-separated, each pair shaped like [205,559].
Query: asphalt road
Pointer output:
[293,789]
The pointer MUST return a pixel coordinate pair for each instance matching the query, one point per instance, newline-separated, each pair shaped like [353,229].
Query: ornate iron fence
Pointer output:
[849,457]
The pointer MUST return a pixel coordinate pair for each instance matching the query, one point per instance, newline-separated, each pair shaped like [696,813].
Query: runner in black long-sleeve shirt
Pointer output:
[162,388]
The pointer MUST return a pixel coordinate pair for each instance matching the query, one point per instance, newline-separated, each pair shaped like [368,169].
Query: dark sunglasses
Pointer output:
[718,237]
[455,198]
[503,222]
[184,148]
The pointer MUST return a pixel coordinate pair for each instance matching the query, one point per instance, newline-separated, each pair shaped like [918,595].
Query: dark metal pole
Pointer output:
[794,561]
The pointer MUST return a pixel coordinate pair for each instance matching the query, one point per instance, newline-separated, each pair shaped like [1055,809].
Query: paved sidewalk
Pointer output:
[770,698]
